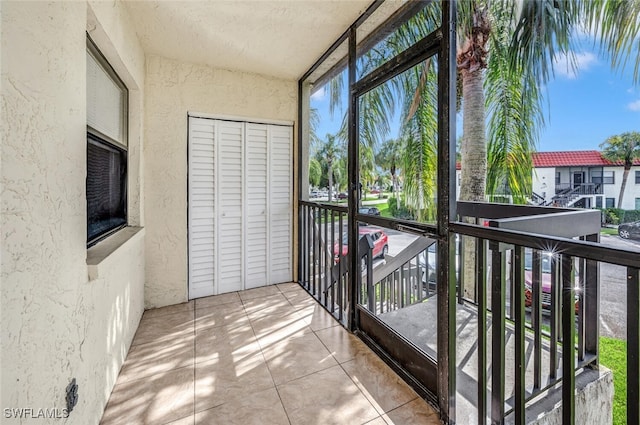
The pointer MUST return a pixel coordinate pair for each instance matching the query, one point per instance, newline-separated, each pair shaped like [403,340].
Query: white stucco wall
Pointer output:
[631,191]
[174,89]
[56,323]
[544,182]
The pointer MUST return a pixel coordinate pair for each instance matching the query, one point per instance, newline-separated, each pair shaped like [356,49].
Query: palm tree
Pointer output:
[315,172]
[624,147]
[505,53]
[367,166]
[329,152]
[388,157]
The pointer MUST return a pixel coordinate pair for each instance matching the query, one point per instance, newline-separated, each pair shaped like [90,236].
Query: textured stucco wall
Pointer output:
[544,182]
[593,401]
[56,324]
[631,191]
[172,90]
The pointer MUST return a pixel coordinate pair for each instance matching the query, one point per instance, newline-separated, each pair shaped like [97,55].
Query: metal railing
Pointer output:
[580,189]
[324,266]
[408,279]
[508,284]
[567,193]
[550,310]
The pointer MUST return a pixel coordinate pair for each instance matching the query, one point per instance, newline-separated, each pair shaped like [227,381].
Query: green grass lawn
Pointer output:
[613,355]
[608,231]
[384,210]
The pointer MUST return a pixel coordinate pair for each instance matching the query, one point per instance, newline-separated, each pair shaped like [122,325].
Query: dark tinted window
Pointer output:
[106,187]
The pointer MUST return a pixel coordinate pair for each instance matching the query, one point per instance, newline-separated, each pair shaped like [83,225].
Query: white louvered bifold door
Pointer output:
[256,213]
[280,203]
[201,207]
[230,206]
[240,205]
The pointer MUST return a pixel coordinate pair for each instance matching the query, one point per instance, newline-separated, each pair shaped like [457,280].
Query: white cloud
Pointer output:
[630,90]
[634,106]
[562,64]
[320,94]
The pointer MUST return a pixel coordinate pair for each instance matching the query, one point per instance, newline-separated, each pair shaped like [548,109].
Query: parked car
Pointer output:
[428,263]
[342,195]
[374,191]
[369,210]
[629,230]
[546,259]
[380,242]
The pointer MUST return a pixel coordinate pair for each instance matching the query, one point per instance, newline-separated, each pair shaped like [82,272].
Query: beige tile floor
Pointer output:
[269,355]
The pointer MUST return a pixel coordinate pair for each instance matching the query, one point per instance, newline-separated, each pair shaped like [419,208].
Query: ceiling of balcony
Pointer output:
[280,38]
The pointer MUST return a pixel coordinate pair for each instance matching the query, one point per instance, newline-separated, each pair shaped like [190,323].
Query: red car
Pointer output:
[380,242]
[546,258]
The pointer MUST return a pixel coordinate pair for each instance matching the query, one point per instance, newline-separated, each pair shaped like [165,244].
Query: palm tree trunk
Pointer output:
[474,160]
[330,193]
[625,174]
[394,183]
[474,149]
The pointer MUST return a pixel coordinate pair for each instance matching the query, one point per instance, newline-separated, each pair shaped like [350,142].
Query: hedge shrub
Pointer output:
[620,216]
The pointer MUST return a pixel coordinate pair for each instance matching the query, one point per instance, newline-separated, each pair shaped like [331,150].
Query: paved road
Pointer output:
[613,296]
[613,309]
[613,290]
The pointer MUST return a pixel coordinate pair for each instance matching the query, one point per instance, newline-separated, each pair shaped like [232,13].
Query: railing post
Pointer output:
[371,296]
[314,240]
[591,306]
[497,335]
[536,316]
[517,289]
[481,294]
[633,346]
[341,271]
[354,192]
[555,307]
[568,338]
[446,195]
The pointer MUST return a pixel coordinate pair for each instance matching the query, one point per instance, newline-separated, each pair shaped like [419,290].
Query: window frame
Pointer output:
[98,138]
[611,179]
[637,176]
[608,204]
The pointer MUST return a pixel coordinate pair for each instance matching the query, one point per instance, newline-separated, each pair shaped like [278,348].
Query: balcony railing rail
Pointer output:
[511,290]
[572,338]
[324,267]
[406,280]
[580,188]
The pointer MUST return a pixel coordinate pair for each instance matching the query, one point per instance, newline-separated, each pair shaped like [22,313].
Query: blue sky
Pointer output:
[581,108]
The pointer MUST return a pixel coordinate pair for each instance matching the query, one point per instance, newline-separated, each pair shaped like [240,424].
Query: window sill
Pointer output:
[100,256]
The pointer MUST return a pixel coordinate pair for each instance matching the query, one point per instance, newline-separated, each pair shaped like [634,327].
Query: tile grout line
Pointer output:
[267,365]
[354,383]
[358,386]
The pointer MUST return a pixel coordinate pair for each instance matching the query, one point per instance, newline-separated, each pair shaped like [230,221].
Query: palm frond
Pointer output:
[541,31]
[514,117]
[616,24]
